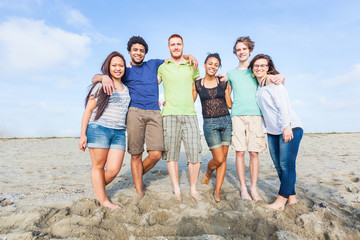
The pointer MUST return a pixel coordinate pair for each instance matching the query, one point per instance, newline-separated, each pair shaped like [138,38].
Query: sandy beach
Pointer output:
[46,193]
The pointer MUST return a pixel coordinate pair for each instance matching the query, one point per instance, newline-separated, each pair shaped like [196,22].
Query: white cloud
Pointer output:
[76,18]
[350,77]
[27,44]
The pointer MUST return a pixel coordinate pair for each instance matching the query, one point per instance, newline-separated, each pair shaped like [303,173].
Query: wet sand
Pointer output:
[46,193]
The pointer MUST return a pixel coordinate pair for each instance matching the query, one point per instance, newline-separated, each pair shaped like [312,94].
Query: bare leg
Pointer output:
[220,174]
[114,163]
[279,204]
[194,169]
[254,174]
[98,158]
[137,172]
[151,160]
[139,168]
[240,166]
[218,158]
[292,200]
[173,168]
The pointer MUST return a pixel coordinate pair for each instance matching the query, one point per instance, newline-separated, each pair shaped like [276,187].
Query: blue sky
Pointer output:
[49,51]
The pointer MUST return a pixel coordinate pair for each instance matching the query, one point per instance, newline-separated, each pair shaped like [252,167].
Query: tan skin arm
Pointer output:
[194,92]
[90,106]
[277,79]
[227,96]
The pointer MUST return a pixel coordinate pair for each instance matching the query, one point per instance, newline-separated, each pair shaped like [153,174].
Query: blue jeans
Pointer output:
[284,158]
[103,137]
[217,131]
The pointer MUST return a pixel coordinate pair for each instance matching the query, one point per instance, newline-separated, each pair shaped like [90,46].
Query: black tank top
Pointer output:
[212,99]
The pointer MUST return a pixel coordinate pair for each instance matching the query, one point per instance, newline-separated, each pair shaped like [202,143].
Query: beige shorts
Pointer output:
[181,128]
[248,134]
[144,126]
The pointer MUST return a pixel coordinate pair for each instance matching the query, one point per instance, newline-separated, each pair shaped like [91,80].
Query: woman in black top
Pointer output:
[215,101]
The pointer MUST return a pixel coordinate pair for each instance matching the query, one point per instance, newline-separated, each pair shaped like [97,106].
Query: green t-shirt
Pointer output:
[178,84]
[244,87]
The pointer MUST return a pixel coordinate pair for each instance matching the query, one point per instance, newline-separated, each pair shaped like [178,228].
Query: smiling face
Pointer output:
[176,47]
[212,66]
[242,52]
[137,53]
[117,68]
[260,68]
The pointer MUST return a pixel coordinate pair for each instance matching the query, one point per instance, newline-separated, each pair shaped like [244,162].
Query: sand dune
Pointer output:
[45,193]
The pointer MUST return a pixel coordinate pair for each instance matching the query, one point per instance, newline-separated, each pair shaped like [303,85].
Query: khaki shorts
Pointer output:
[248,134]
[144,126]
[185,128]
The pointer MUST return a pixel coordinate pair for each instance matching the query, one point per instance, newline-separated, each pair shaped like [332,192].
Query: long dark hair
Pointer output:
[102,97]
[272,70]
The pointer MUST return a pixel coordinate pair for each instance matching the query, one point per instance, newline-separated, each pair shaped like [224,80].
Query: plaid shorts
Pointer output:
[177,128]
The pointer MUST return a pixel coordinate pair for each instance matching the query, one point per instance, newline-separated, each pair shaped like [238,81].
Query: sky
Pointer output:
[49,51]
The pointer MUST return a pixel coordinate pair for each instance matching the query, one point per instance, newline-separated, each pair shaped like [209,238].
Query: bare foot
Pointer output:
[292,200]
[177,195]
[276,206]
[110,205]
[206,178]
[245,195]
[195,195]
[279,204]
[217,197]
[255,195]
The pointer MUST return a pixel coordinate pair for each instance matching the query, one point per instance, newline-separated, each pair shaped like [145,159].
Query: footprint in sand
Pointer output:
[355,179]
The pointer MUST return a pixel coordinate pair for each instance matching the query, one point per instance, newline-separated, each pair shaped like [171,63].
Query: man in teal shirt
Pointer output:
[248,134]
[179,117]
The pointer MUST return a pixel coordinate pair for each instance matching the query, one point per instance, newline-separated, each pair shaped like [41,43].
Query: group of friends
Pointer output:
[126,98]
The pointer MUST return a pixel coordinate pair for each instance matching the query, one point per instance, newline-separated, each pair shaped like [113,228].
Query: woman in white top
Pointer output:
[283,127]
[103,127]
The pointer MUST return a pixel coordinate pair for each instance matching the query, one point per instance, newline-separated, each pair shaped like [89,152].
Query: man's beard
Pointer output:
[137,63]
[177,57]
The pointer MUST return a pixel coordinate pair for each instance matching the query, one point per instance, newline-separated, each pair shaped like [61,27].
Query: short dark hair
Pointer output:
[215,55]
[245,40]
[272,70]
[137,39]
[175,36]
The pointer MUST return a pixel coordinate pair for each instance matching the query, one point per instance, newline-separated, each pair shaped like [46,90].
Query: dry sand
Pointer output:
[47,184]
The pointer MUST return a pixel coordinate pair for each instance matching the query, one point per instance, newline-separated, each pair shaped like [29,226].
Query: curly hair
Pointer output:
[137,39]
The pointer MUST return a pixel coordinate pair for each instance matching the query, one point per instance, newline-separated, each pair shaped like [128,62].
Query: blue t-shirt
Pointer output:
[143,84]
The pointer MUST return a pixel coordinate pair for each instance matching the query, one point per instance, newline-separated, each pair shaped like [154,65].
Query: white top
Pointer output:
[274,104]
[114,115]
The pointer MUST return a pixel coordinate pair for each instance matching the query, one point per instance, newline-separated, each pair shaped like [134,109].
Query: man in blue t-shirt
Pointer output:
[144,121]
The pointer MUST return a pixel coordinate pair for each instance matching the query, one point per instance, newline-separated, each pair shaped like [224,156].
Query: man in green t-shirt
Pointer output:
[179,117]
[247,134]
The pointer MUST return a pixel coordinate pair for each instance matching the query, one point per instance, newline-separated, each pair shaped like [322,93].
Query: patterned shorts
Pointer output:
[177,128]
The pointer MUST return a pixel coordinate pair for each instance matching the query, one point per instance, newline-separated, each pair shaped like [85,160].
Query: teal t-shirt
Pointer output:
[178,84]
[244,87]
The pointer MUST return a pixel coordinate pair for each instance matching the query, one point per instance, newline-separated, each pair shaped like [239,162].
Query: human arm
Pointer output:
[194,92]
[227,96]
[108,84]
[277,79]
[223,77]
[192,60]
[282,102]
[90,106]
[288,134]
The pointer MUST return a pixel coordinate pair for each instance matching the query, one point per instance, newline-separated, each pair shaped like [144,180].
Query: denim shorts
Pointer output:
[217,131]
[102,137]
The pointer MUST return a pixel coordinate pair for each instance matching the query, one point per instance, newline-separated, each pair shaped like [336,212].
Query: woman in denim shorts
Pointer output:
[103,127]
[283,127]
[215,101]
